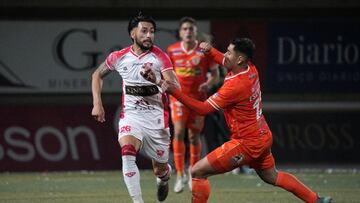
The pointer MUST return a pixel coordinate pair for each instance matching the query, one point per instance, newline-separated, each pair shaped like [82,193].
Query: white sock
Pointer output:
[132,177]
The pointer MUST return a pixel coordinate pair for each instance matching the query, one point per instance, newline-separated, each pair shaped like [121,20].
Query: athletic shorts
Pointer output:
[155,143]
[234,153]
[179,112]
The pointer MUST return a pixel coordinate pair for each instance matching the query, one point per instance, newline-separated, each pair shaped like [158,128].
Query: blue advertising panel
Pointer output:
[313,57]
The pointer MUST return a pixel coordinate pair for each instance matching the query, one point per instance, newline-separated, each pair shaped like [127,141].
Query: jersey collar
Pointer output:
[240,73]
[141,55]
[191,50]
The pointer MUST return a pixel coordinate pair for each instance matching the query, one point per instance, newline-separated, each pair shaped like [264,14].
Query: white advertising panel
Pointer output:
[60,56]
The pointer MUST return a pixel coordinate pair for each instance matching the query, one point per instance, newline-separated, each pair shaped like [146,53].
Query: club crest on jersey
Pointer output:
[195,60]
[160,152]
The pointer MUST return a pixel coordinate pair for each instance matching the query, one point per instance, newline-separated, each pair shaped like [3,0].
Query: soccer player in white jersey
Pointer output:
[144,116]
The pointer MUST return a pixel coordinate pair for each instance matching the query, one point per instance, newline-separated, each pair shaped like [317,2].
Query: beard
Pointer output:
[142,46]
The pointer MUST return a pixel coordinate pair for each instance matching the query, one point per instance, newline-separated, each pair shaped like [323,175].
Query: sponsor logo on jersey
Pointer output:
[185,72]
[141,90]
[143,105]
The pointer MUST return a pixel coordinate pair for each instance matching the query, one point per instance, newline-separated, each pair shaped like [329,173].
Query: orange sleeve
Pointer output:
[216,56]
[201,108]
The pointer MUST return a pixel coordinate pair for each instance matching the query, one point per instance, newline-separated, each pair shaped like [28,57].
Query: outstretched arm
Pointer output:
[169,75]
[96,86]
[201,108]
[213,53]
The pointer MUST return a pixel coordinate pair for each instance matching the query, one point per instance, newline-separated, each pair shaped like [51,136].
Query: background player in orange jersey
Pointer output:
[251,138]
[191,67]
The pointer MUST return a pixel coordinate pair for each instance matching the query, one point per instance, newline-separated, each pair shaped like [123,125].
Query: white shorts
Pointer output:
[155,143]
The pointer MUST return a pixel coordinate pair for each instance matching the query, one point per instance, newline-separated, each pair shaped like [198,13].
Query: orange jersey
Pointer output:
[191,68]
[240,99]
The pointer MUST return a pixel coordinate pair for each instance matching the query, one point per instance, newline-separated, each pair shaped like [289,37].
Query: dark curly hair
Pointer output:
[245,46]
[134,22]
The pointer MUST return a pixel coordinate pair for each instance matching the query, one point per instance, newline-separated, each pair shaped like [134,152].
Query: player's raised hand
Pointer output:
[98,113]
[148,73]
[203,87]
[168,86]
[205,47]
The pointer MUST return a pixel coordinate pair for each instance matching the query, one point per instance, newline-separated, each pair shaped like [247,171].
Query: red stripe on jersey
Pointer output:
[122,114]
[165,103]
[114,56]
[164,58]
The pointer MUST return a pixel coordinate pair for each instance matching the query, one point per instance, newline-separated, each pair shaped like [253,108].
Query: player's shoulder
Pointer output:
[157,50]
[174,47]
[120,53]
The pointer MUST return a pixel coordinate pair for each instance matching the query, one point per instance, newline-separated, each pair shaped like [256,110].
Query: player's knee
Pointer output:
[197,172]
[128,150]
[268,177]
[194,140]
[179,133]
[158,171]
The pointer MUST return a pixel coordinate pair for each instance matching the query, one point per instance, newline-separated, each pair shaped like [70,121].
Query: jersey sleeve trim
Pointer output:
[213,104]
[108,65]
[166,69]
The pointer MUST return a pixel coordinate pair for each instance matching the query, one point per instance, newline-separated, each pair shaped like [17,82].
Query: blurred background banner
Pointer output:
[315,137]
[48,57]
[320,56]
[37,138]
[294,56]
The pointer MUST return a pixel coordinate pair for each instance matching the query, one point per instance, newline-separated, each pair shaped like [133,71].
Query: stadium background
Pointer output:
[307,53]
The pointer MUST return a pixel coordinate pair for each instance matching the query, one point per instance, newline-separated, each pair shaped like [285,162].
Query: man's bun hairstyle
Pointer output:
[134,22]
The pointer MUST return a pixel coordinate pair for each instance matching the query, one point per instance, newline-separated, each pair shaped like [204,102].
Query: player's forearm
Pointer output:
[217,56]
[214,76]
[212,80]
[201,108]
[169,76]
[96,87]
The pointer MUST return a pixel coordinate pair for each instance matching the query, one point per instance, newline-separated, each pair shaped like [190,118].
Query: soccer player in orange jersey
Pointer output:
[191,67]
[251,138]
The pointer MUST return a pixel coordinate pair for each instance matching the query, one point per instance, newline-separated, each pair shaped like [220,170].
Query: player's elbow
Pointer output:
[96,75]
[203,112]
[203,109]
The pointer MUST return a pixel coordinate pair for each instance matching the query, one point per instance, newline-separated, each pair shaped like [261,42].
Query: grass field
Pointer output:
[108,186]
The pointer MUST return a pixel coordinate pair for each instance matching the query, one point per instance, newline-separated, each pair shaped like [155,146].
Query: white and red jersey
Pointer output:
[143,103]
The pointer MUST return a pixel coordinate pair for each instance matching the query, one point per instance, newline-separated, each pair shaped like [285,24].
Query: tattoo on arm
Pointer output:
[103,70]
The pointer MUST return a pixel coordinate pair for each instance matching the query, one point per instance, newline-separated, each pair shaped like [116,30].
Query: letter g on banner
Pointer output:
[60,53]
